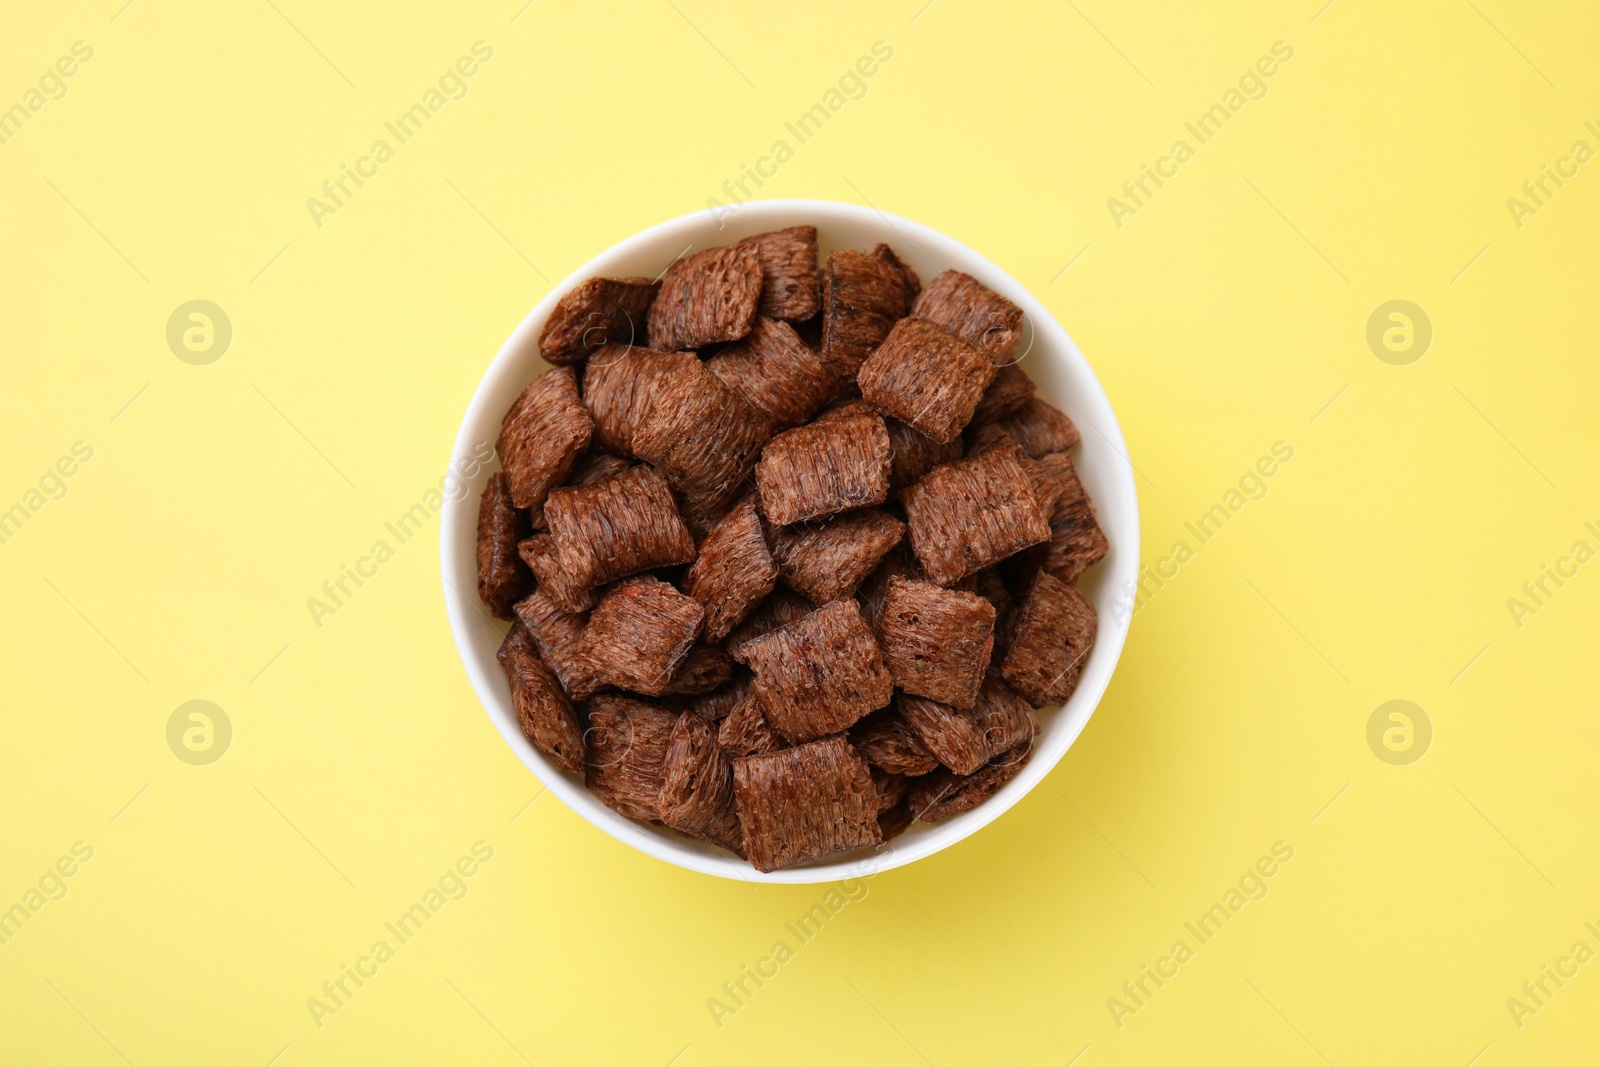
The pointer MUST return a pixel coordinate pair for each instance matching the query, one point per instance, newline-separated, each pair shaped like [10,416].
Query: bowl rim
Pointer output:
[519,353]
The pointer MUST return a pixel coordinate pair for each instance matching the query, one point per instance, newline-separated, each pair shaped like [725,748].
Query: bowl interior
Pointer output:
[1048,355]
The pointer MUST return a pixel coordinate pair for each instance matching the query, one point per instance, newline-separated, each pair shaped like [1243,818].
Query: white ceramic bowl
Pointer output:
[1050,358]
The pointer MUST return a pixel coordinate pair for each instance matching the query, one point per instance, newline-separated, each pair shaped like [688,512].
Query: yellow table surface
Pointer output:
[1429,541]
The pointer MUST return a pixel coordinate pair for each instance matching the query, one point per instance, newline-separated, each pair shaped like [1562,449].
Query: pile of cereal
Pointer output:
[797,572]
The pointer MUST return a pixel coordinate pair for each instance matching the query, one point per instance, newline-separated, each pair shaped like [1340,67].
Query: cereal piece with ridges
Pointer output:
[829,560]
[543,711]
[542,435]
[1045,488]
[1041,429]
[775,371]
[890,788]
[703,436]
[715,705]
[936,642]
[944,793]
[640,633]
[559,637]
[503,579]
[625,524]
[908,277]
[572,593]
[834,464]
[697,785]
[1047,640]
[804,803]
[875,590]
[965,306]
[862,297]
[913,454]
[779,609]
[600,311]
[746,732]
[791,288]
[971,514]
[620,383]
[627,754]
[926,377]
[1008,394]
[884,740]
[1076,540]
[704,669]
[819,675]
[733,571]
[711,296]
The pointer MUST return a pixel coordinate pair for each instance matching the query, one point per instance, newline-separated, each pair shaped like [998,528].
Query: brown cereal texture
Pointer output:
[779,609]
[1041,429]
[503,579]
[600,311]
[1008,394]
[1076,540]
[908,277]
[1045,488]
[885,740]
[875,590]
[819,675]
[834,464]
[746,732]
[620,384]
[953,736]
[890,789]
[640,633]
[830,559]
[697,785]
[936,642]
[944,793]
[926,377]
[913,454]
[971,514]
[704,669]
[558,635]
[543,711]
[1047,640]
[862,297]
[776,373]
[542,435]
[898,819]
[703,436]
[804,803]
[733,572]
[965,306]
[791,288]
[571,593]
[715,705]
[625,524]
[710,296]
[627,754]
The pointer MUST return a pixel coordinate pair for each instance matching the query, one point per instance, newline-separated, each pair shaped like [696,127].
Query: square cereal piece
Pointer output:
[715,705]
[936,642]
[640,633]
[1041,429]
[1076,540]
[926,377]
[834,464]
[711,296]
[625,524]
[704,669]
[746,732]
[558,635]
[862,297]
[908,277]
[965,306]
[572,593]
[819,675]
[884,740]
[1047,640]
[943,793]
[697,785]
[972,513]
[542,435]
[1008,394]
[733,571]
[592,468]
[913,454]
[620,384]
[543,711]
[804,803]
[600,311]
[791,288]
[776,373]
[1045,488]
[1004,717]
[953,736]
[703,436]
[627,756]
[779,609]
[503,579]
[829,560]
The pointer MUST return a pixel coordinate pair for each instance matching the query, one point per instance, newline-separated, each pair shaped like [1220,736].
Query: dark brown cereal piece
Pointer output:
[732,572]
[1047,640]
[885,740]
[620,383]
[873,591]
[829,560]
[898,819]
[971,514]
[1045,488]
[595,468]
[1041,429]
[715,705]
[625,524]
[703,670]
[839,462]
[908,277]
[572,593]
[926,377]
[746,732]
[600,311]
[989,584]
[774,370]
[779,609]
[542,435]
[627,754]
[913,454]
[703,436]
[862,297]
[943,793]
[1076,540]
[543,711]
[963,305]
[803,803]
[890,788]
[710,296]
[1004,717]
[697,785]
[559,637]
[819,675]
[936,642]
[1008,394]
[502,577]
[640,633]
[953,736]
[791,288]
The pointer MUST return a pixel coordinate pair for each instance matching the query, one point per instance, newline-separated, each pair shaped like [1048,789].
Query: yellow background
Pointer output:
[1224,316]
